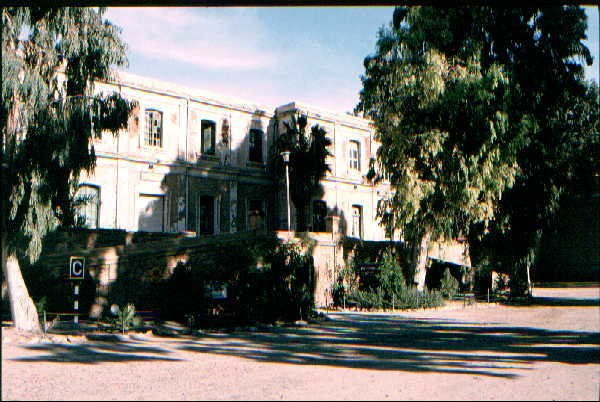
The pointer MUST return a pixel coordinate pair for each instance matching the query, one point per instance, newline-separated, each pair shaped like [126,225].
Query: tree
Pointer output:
[537,51]
[307,165]
[50,117]
[565,163]
[448,144]
[540,49]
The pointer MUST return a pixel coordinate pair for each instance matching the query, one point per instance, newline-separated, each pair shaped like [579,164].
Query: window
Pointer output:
[88,206]
[354,156]
[154,129]
[356,228]
[319,214]
[151,215]
[256,140]
[208,132]
[256,214]
[206,214]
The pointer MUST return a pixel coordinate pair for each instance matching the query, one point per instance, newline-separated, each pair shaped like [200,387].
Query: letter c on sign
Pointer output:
[77,268]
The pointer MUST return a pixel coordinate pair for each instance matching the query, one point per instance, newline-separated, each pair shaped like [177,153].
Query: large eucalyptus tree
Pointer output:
[442,121]
[50,114]
[465,102]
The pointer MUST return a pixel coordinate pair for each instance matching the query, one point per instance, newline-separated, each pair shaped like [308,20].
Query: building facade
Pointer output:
[195,162]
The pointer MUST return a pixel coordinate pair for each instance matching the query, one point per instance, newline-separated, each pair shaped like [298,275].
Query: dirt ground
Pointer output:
[548,351]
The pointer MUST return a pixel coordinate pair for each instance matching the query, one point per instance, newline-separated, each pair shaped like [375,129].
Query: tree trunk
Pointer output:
[419,259]
[24,314]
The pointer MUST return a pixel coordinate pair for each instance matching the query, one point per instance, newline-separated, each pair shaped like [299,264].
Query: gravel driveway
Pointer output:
[550,350]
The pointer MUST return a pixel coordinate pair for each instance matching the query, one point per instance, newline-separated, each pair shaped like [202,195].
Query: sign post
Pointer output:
[76,273]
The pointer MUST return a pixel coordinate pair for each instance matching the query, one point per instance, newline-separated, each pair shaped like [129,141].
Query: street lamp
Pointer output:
[286,160]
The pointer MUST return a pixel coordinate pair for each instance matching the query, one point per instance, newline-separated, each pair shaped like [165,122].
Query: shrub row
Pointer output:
[381,285]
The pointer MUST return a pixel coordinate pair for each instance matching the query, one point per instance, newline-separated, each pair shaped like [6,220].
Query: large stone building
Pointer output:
[194,162]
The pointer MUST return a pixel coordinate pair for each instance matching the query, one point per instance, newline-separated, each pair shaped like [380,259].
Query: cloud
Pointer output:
[232,40]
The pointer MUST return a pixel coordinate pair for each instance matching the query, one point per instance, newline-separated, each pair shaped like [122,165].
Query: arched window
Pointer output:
[87,206]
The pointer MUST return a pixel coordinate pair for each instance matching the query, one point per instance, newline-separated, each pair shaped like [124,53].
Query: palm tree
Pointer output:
[307,163]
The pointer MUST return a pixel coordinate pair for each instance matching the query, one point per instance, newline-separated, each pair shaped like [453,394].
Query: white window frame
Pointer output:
[213,139]
[354,160]
[97,203]
[148,139]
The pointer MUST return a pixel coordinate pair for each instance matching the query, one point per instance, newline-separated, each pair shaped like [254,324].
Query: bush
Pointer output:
[449,285]
[411,297]
[125,318]
[385,287]
[407,298]
[368,299]
[293,283]
[390,277]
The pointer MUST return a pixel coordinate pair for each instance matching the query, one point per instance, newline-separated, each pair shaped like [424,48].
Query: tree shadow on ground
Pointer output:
[94,353]
[380,342]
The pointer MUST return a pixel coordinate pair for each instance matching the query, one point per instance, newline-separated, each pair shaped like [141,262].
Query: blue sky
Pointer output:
[271,55]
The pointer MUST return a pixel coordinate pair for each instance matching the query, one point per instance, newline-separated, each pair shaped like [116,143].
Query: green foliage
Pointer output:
[404,298]
[293,283]
[307,164]
[384,287]
[125,318]
[411,298]
[449,285]
[41,304]
[265,280]
[368,299]
[390,278]
[448,159]
[481,118]
[51,58]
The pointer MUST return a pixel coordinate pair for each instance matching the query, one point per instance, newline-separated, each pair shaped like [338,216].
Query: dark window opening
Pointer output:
[207,214]
[256,214]
[256,140]
[319,214]
[208,132]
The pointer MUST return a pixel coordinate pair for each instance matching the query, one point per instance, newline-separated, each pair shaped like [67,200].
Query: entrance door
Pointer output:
[206,214]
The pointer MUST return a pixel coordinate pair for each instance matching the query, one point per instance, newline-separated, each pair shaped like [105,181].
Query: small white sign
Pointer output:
[77,268]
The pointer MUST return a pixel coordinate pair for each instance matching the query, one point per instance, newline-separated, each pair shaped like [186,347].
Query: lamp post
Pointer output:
[286,160]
